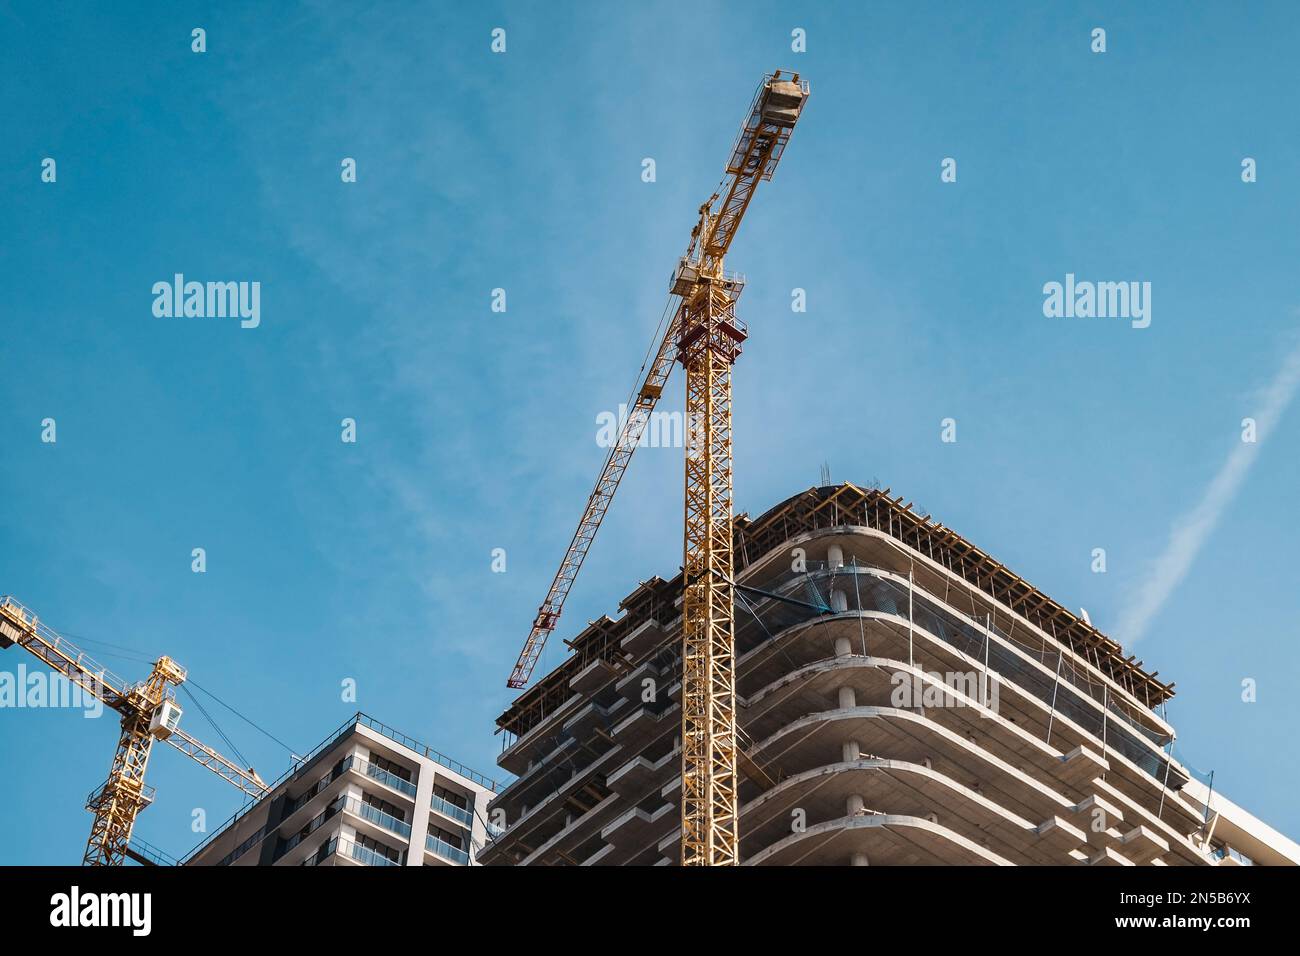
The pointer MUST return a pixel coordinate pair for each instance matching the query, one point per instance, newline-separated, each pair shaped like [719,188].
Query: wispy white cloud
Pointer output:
[1191,530]
[461,430]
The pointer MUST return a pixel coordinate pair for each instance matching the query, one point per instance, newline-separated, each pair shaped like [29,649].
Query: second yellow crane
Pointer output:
[149,713]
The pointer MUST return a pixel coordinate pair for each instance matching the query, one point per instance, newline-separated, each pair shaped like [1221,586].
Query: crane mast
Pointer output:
[149,713]
[705,335]
[710,339]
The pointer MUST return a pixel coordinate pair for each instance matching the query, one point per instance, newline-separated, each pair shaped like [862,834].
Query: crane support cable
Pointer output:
[215,726]
[127,653]
[121,651]
[246,720]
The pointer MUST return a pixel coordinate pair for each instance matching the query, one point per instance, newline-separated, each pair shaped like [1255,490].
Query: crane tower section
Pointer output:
[709,340]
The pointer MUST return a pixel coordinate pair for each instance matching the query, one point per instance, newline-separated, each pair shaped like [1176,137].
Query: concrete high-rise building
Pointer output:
[367,796]
[903,698]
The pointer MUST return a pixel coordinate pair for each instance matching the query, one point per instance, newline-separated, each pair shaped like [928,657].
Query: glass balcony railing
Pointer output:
[355,851]
[440,847]
[363,854]
[354,806]
[447,808]
[324,853]
[383,776]
[314,824]
[378,817]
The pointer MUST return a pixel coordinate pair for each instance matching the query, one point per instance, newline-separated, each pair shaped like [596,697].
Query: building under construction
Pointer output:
[901,698]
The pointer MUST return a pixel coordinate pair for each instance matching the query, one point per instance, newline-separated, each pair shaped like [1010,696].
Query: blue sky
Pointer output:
[476,430]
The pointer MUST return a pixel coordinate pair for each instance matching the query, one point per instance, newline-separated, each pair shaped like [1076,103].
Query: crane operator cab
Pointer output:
[165,719]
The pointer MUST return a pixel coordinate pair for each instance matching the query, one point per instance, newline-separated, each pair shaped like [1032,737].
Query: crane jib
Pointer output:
[775,109]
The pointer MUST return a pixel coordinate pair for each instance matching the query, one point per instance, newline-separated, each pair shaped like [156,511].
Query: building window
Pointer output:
[396,769]
[446,836]
[383,806]
[451,796]
[383,849]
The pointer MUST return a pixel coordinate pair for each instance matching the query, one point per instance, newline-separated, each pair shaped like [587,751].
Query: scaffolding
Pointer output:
[846,506]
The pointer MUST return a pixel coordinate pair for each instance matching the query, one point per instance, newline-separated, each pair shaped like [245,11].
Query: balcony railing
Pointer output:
[363,854]
[377,817]
[383,776]
[314,824]
[355,851]
[447,808]
[440,847]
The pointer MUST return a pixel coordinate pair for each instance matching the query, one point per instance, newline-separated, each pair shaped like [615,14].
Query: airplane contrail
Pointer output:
[1190,531]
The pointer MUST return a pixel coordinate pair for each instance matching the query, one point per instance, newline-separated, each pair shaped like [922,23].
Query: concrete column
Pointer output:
[843,647]
[478,829]
[848,698]
[835,556]
[839,601]
[858,859]
[852,750]
[420,818]
[855,804]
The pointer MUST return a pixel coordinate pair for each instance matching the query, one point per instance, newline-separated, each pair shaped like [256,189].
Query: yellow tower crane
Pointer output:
[705,335]
[149,712]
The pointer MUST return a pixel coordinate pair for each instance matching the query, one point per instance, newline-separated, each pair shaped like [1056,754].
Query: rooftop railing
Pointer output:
[437,757]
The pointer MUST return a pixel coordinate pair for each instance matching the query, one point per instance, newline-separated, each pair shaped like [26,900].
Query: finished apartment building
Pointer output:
[903,699]
[367,796]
